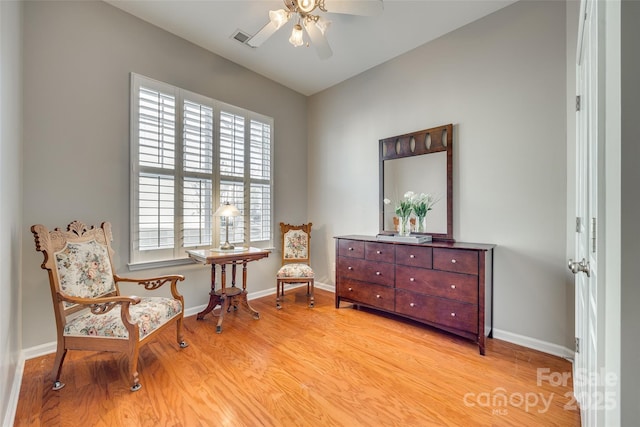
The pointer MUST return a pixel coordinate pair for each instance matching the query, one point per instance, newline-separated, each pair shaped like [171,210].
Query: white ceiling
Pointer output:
[358,42]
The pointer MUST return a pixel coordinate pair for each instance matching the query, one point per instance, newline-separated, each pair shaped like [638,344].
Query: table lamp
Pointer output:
[227,210]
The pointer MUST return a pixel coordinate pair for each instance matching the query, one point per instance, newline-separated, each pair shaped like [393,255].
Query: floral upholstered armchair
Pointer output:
[89,310]
[295,260]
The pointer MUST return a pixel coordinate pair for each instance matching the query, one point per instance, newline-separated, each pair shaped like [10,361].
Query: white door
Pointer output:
[588,304]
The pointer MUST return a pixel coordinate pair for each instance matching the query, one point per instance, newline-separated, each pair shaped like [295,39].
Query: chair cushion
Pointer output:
[84,270]
[296,245]
[294,270]
[149,314]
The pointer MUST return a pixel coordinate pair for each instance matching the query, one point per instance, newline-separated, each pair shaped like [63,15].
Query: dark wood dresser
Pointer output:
[442,284]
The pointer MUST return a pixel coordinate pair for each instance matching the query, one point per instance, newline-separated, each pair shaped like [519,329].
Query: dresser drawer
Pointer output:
[381,273]
[351,248]
[455,286]
[373,295]
[379,252]
[456,260]
[415,256]
[441,311]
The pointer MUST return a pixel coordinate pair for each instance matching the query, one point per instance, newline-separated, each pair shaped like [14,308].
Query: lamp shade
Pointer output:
[227,209]
[279,17]
[296,36]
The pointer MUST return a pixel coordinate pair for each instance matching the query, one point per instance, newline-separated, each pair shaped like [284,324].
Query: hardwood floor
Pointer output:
[303,367]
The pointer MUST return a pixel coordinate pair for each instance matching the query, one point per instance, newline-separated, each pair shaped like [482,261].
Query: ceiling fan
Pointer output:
[302,11]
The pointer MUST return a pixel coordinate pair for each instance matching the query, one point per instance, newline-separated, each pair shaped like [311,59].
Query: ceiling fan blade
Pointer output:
[262,35]
[355,7]
[318,40]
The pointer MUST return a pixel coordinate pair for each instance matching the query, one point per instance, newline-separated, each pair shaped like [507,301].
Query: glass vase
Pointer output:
[421,226]
[404,229]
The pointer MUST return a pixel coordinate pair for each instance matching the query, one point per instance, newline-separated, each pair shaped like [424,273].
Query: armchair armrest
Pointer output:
[98,301]
[104,305]
[153,283]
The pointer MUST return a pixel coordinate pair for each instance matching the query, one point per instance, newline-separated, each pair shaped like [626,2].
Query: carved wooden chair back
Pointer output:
[89,311]
[296,244]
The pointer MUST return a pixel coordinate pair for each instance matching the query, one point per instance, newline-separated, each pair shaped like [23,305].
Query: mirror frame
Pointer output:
[415,144]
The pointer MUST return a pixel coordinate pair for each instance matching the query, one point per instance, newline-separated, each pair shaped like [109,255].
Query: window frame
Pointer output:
[141,259]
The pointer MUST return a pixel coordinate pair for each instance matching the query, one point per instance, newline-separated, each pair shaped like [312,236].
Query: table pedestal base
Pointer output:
[229,297]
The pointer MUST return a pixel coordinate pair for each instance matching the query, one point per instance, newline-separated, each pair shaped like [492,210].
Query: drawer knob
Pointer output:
[377,296]
[453,315]
[453,286]
[349,268]
[378,252]
[412,279]
[350,289]
[412,305]
[350,249]
[453,261]
[378,273]
[412,256]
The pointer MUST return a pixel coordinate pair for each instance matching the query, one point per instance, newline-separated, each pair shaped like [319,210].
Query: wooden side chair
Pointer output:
[89,310]
[296,241]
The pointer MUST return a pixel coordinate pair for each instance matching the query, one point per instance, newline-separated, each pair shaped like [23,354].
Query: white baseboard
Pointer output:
[10,415]
[38,350]
[533,343]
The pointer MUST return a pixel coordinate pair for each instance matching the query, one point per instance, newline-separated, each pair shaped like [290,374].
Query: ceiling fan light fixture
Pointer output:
[296,36]
[307,14]
[306,6]
[279,17]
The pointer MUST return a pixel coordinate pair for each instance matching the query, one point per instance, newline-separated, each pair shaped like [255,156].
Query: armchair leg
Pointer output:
[133,370]
[57,366]
[181,341]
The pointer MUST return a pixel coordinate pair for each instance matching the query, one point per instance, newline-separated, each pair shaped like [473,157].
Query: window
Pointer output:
[190,154]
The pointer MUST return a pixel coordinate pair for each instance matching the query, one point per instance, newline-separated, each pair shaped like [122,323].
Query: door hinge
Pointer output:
[578,224]
[578,103]
[593,235]
[577,345]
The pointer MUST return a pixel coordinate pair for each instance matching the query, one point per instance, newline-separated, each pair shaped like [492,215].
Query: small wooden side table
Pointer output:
[224,296]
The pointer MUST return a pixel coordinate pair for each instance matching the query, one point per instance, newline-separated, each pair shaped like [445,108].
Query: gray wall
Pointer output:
[630,290]
[502,82]
[77,60]
[11,197]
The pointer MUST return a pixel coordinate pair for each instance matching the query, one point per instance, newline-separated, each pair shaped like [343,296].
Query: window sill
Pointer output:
[158,264]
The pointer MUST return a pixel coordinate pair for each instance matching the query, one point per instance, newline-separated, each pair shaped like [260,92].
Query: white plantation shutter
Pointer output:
[198,137]
[155,211]
[190,154]
[260,179]
[153,175]
[231,145]
[232,137]
[157,128]
[197,196]
[197,215]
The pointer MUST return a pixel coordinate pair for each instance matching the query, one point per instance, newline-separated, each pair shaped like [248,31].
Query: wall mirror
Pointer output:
[421,162]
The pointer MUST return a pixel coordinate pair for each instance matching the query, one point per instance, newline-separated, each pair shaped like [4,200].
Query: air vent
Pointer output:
[241,36]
